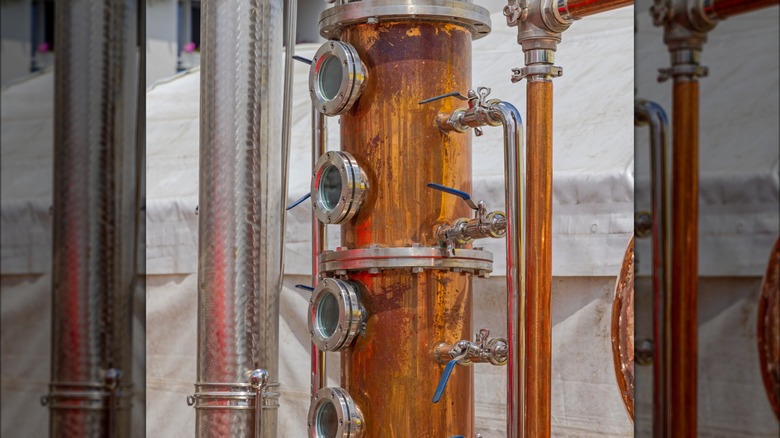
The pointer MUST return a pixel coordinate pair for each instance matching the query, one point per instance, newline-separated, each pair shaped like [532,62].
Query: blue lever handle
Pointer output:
[444,379]
[298,202]
[305,287]
[459,193]
[302,59]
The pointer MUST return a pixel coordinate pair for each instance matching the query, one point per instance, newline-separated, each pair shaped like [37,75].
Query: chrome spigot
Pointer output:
[494,351]
[464,230]
[478,113]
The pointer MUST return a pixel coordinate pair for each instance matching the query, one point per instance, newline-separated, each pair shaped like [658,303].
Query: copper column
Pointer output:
[391,373]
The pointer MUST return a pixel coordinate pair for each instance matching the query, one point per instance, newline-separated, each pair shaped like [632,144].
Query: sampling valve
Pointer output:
[478,114]
[464,230]
[483,350]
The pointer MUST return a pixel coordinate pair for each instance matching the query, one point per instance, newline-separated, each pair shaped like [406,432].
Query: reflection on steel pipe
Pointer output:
[515,194]
[96,211]
[239,248]
[651,114]
[576,9]
[319,242]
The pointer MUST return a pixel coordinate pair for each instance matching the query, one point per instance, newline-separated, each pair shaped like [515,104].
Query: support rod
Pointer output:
[684,256]
[319,243]
[651,114]
[538,249]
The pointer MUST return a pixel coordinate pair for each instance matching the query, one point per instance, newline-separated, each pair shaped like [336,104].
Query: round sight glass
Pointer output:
[328,315]
[330,187]
[327,421]
[330,77]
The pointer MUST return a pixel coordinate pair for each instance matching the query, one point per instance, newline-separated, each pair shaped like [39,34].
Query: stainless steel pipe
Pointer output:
[240,222]
[514,186]
[319,241]
[647,113]
[96,217]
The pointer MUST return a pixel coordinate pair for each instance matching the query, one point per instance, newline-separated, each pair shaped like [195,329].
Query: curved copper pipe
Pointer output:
[577,9]
[768,330]
[623,330]
[723,9]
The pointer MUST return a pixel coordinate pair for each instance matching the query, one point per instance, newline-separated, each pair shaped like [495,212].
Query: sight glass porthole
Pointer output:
[333,414]
[338,187]
[336,315]
[336,78]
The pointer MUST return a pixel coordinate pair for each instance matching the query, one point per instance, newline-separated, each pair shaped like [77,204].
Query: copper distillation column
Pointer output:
[540,24]
[391,293]
[686,25]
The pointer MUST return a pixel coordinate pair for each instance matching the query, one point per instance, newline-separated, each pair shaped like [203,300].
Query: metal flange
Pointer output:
[417,259]
[475,18]
[232,396]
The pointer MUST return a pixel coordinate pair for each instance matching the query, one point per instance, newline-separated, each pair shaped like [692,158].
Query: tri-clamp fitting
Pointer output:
[484,223]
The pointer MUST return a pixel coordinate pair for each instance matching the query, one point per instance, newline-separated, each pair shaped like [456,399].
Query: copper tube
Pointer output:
[577,9]
[538,328]
[684,253]
[391,373]
[768,329]
[319,240]
[726,8]
[623,330]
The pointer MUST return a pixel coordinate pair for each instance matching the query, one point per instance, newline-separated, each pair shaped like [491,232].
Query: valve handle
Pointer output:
[298,202]
[442,96]
[305,287]
[459,193]
[302,59]
[444,379]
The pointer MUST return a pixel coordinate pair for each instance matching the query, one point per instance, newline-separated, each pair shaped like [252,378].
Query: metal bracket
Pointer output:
[546,70]
[515,11]
[686,70]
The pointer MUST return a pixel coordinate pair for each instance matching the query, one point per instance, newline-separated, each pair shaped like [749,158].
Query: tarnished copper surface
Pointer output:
[685,216]
[538,326]
[623,329]
[727,8]
[583,8]
[768,332]
[392,372]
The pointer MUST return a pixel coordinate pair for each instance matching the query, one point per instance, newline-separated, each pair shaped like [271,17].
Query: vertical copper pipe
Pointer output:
[685,209]
[538,328]
[319,140]
[726,8]
[577,9]
[391,373]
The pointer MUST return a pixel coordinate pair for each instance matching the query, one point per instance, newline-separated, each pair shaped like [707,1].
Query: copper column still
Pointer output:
[96,195]
[685,32]
[412,295]
[540,24]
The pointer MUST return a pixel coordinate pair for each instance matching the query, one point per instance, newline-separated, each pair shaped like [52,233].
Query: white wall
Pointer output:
[15,16]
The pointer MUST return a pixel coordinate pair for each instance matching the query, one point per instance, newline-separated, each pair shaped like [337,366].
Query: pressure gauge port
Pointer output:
[333,414]
[338,187]
[336,78]
[335,314]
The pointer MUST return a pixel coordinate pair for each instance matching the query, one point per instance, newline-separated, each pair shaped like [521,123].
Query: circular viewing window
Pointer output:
[333,414]
[335,314]
[338,187]
[336,78]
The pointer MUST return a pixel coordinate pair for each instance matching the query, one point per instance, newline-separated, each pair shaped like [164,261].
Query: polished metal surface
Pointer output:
[336,315]
[96,214]
[768,329]
[473,17]
[336,78]
[623,330]
[319,238]
[417,259]
[333,414]
[240,227]
[483,349]
[336,197]
[652,115]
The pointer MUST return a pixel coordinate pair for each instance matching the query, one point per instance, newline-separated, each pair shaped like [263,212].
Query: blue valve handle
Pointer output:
[461,194]
[302,59]
[298,202]
[444,379]
[305,287]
